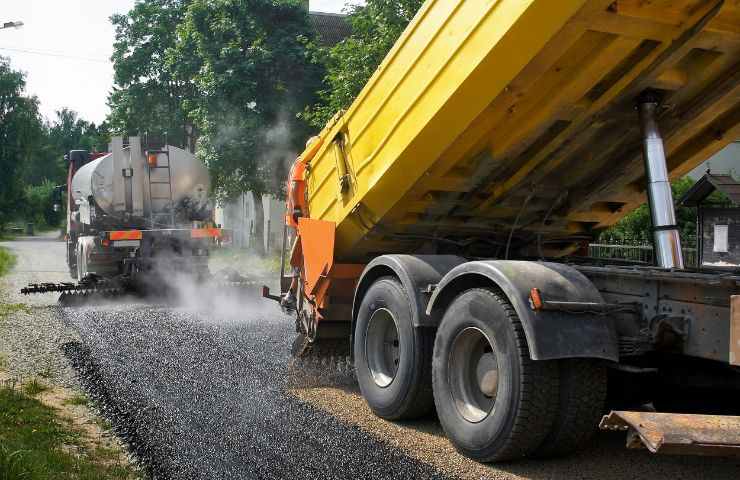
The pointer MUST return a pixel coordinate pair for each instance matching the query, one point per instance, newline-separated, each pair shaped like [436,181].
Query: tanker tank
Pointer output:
[150,186]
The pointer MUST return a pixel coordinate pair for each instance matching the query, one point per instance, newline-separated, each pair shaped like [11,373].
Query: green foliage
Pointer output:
[67,132]
[635,228]
[76,400]
[12,464]
[30,439]
[34,387]
[233,72]
[32,151]
[249,62]
[39,206]
[375,28]
[147,98]
[20,132]
[7,261]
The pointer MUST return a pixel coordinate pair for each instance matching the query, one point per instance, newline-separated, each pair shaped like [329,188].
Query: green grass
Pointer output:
[7,261]
[246,262]
[33,388]
[11,308]
[32,438]
[76,400]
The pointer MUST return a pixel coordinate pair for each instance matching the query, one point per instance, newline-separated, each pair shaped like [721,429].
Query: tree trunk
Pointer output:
[259,225]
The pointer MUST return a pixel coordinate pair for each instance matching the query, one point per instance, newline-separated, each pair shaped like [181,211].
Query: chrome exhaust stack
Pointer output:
[667,240]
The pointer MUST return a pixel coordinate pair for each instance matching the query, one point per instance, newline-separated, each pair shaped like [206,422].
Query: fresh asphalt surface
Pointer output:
[206,399]
[202,393]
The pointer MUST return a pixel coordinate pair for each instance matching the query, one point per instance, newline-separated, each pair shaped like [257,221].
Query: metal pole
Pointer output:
[665,232]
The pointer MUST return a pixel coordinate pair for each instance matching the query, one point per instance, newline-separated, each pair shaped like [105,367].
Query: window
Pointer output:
[720,238]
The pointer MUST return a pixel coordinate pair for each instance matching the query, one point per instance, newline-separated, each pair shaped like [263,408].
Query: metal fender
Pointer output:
[416,273]
[550,334]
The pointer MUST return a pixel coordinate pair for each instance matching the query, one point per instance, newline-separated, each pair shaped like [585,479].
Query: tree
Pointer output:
[146,97]
[636,227]
[249,62]
[375,28]
[67,132]
[20,133]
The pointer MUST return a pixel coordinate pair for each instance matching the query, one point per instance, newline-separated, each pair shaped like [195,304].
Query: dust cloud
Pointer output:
[229,293]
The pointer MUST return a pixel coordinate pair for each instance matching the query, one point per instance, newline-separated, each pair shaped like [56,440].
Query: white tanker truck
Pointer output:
[134,214]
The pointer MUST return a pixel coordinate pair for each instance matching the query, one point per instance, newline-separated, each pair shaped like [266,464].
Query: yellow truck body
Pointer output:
[500,119]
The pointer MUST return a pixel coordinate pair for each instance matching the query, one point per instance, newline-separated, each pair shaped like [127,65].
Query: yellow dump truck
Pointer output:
[437,229]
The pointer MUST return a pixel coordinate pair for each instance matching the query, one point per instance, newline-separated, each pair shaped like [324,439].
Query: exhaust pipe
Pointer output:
[660,197]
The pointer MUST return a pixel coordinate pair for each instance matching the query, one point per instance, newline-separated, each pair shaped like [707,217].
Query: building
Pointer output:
[331,28]
[239,216]
[717,225]
[727,160]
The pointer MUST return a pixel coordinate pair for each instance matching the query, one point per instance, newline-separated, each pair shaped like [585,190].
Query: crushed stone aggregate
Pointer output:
[31,337]
[198,398]
[209,391]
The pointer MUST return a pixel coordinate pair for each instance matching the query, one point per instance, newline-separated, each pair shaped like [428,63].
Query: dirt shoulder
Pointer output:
[34,371]
[424,440]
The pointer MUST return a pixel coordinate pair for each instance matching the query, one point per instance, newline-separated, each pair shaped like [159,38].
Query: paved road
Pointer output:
[39,259]
[207,391]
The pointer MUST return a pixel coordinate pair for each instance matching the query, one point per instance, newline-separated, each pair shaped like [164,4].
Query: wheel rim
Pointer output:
[473,374]
[382,348]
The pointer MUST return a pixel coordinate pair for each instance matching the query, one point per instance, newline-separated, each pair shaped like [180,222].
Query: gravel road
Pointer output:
[30,338]
[209,393]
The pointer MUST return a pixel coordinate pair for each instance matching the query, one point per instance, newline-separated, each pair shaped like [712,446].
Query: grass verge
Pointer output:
[246,262]
[76,400]
[34,387]
[36,444]
[7,261]
[11,308]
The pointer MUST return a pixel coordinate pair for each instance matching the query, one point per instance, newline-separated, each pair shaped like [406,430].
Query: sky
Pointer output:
[64,47]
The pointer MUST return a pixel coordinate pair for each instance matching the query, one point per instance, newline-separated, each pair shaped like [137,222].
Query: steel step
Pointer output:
[677,433]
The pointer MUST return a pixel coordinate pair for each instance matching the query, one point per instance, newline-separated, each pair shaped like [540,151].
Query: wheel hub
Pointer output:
[473,374]
[382,347]
[487,374]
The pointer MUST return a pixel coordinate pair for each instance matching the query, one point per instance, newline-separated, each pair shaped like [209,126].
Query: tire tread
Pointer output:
[536,410]
[582,396]
[539,386]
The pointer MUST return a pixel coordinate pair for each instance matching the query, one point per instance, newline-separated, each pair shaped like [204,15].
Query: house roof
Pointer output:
[331,28]
[708,184]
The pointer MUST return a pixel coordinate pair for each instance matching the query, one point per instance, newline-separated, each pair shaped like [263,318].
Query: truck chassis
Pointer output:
[522,357]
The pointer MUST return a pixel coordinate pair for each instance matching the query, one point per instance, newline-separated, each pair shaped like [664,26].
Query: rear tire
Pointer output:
[582,399]
[392,358]
[493,401]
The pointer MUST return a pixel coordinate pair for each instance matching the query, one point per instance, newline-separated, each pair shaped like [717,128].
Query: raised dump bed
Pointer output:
[494,134]
[513,121]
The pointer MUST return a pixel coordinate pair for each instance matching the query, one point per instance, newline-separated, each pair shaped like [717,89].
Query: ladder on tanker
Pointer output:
[162,205]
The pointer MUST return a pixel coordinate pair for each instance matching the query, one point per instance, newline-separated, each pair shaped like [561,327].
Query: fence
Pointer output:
[635,253]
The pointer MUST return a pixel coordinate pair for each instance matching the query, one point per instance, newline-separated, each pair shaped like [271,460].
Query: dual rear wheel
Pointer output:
[493,401]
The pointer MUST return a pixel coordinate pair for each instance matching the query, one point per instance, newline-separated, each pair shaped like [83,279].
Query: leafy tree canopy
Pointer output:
[636,227]
[146,96]
[32,150]
[66,132]
[375,28]
[249,62]
[20,133]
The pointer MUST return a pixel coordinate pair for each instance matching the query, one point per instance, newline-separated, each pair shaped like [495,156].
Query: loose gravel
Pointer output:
[31,337]
[208,391]
[606,458]
[204,398]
